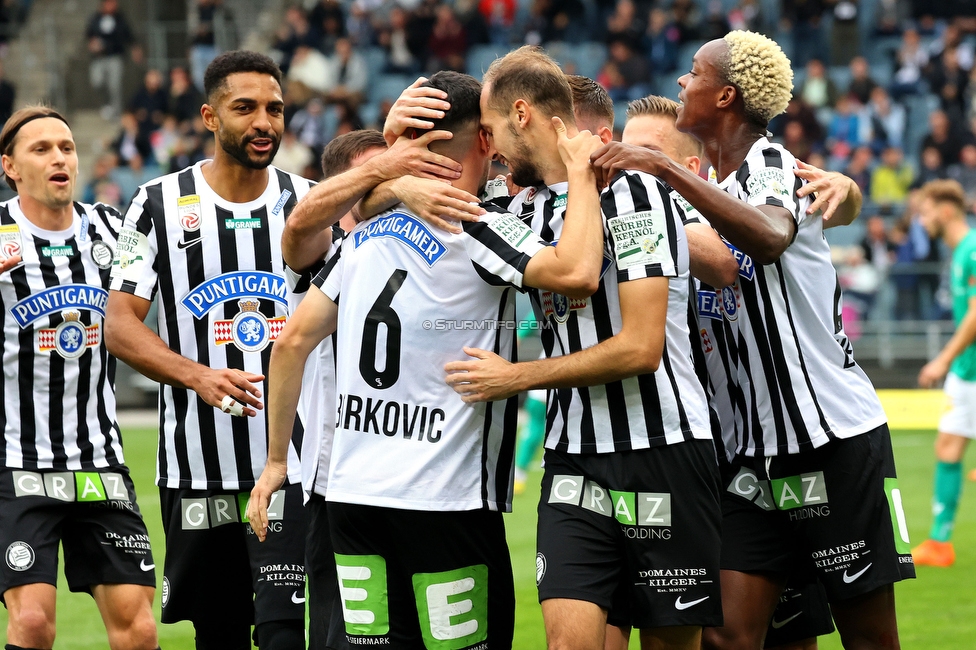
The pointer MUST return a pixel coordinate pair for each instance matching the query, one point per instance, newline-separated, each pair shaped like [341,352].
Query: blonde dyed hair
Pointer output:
[761,71]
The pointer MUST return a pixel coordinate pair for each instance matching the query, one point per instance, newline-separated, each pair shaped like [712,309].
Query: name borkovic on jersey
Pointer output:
[392,419]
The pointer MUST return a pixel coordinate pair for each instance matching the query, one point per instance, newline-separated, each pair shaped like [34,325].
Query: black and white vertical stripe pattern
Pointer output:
[58,408]
[200,270]
[665,407]
[799,382]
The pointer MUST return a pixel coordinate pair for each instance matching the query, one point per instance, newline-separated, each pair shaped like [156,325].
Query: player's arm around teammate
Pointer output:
[44,233]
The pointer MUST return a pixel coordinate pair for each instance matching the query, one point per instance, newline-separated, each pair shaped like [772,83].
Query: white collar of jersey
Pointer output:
[261,201]
[52,235]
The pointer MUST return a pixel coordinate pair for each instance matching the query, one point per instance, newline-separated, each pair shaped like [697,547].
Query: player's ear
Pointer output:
[484,145]
[210,119]
[521,113]
[693,163]
[8,168]
[606,134]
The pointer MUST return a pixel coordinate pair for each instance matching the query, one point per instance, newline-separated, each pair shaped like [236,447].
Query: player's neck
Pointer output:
[728,146]
[550,163]
[45,217]
[955,232]
[232,181]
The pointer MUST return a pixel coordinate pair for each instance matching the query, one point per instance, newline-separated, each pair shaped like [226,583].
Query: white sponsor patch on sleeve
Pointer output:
[640,238]
[132,253]
[511,229]
[769,182]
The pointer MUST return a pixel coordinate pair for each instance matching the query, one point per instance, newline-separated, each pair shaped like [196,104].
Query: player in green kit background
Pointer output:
[943,213]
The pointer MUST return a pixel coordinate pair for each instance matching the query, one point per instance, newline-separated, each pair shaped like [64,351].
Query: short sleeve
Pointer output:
[134,267]
[329,277]
[768,179]
[640,229]
[500,246]
[970,272]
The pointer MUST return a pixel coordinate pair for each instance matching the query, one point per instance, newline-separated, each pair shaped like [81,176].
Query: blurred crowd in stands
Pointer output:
[885,91]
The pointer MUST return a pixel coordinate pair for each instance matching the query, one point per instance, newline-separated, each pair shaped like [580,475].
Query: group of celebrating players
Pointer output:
[718,469]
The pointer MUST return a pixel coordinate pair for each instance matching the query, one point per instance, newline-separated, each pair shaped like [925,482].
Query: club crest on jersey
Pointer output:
[71,338]
[730,303]
[10,241]
[530,196]
[407,229]
[250,331]
[747,269]
[188,209]
[559,307]
[709,304]
[102,254]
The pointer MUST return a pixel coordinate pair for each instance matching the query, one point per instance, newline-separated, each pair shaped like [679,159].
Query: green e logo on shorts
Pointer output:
[362,587]
[453,607]
[898,523]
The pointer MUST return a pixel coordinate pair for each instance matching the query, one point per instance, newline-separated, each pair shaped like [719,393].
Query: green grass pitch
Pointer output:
[937,611]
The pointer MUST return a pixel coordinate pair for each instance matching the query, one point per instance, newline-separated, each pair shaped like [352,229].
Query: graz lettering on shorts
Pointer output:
[390,418]
[804,496]
[73,486]
[749,486]
[642,515]
[283,575]
[203,513]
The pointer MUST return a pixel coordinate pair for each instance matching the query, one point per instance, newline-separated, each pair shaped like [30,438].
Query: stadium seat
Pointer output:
[375,60]
[686,53]
[388,86]
[841,76]
[481,56]
[590,57]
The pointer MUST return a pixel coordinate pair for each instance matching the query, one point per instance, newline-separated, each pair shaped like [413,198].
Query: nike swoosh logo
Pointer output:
[680,605]
[849,579]
[146,567]
[186,244]
[295,598]
[778,624]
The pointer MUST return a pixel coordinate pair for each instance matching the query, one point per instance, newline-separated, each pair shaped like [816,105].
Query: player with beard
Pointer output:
[205,242]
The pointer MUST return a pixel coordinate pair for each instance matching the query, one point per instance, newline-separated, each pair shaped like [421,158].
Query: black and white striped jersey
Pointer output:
[410,299]
[799,381]
[644,238]
[217,273]
[58,388]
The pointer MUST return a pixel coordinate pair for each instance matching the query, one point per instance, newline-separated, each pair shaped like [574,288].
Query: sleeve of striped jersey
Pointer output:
[298,283]
[770,180]
[500,246]
[110,217]
[688,212]
[640,227]
[134,266]
[329,278]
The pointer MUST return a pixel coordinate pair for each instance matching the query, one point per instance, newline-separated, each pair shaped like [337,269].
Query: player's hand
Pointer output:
[831,188]
[614,157]
[513,189]
[10,263]
[438,203]
[412,110]
[932,373]
[488,378]
[411,156]
[575,152]
[214,385]
[271,480]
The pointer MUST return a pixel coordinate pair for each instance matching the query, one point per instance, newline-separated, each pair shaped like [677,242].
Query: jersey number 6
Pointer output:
[382,312]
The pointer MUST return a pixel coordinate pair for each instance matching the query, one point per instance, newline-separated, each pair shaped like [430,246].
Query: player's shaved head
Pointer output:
[462,118]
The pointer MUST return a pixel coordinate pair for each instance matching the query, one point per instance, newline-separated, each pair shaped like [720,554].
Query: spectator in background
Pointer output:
[796,141]
[310,126]
[891,179]
[164,140]
[203,41]
[628,76]
[624,23]
[818,90]
[746,15]
[566,21]
[687,18]
[448,43]
[805,18]
[100,188]
[911,60]
[472,21]
[800,111]
[715,25]
[308,75]
[327,19]
[859,168]
[845,129]
[500,16]
[293,33]
[184,99]
[394,38]
[131,176]
[293,155]
[949,81]
[108,37]
[965,173]
[150,103]
[878,249]
[346,74]
[860,281]
[952,39]
[131,142]
[845,35]
[7,95]
[861,82]
[943,136]
[891,15]
[661,42]
[888,120]
[931,168]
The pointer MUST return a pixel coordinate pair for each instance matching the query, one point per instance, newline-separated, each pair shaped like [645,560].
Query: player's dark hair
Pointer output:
[8,135]
[338,155]
[463,93]
[590,99]
[233,62]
